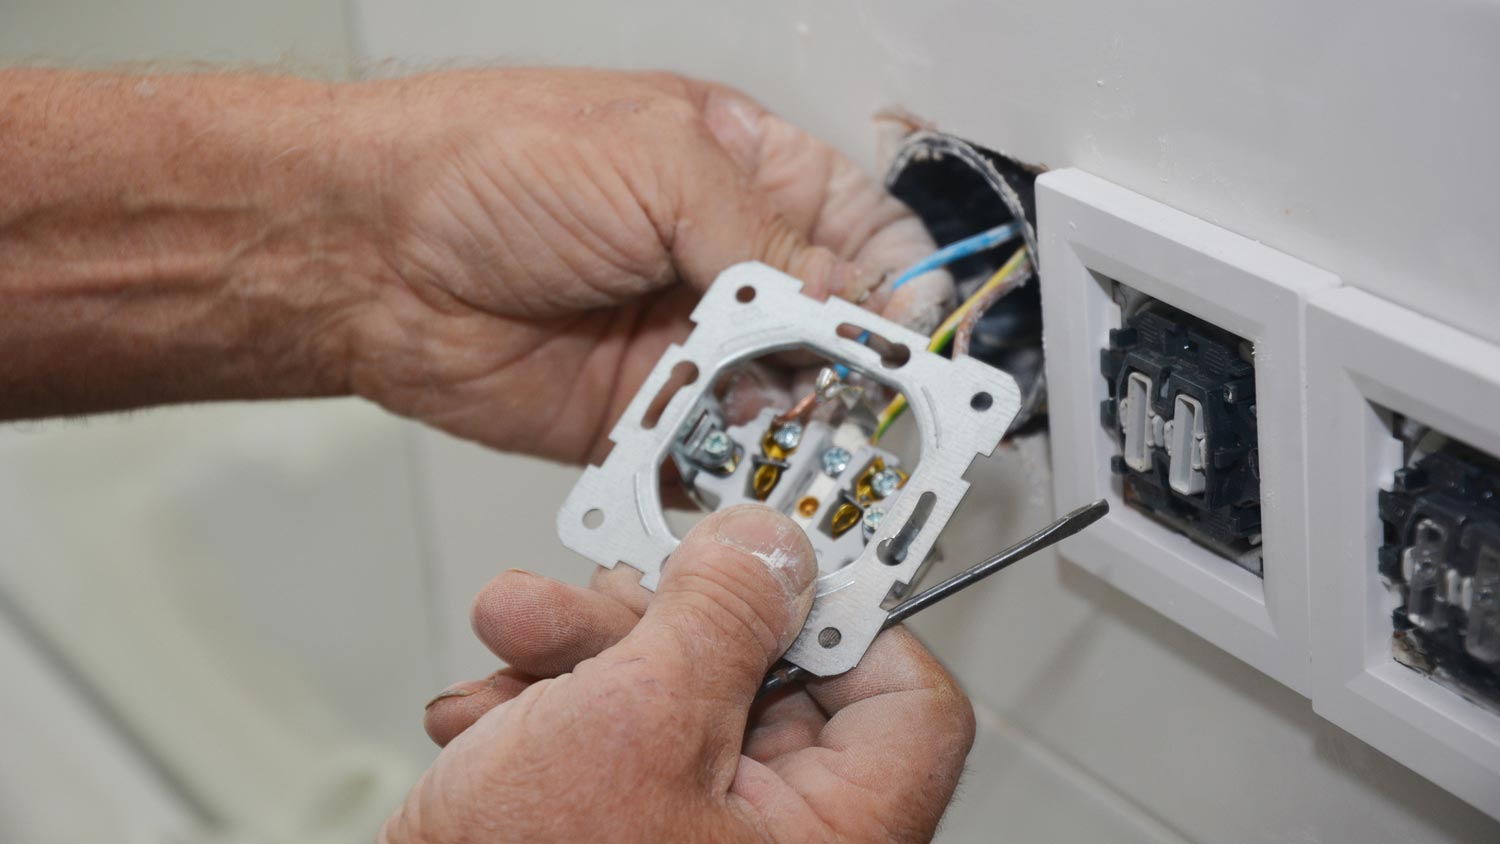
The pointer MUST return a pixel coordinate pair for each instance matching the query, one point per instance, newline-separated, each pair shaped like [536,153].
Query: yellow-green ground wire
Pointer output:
[944,333]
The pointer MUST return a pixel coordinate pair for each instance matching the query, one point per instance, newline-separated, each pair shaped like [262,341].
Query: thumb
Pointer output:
[732,598]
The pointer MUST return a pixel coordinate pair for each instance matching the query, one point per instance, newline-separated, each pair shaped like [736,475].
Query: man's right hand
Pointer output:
[628,717]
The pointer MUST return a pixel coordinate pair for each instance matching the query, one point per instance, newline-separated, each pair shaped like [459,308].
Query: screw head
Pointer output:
[836,460]
[717,446]
[788,436]
[870,521]
[884,483]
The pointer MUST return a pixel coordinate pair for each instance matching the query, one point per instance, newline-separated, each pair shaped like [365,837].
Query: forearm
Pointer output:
[175,238]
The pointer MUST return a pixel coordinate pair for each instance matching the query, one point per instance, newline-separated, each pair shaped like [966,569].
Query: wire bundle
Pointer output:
[957,251]
[959,325]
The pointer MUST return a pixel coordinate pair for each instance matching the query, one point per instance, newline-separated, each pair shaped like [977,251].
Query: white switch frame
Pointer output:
[1367,358]
[1091,232]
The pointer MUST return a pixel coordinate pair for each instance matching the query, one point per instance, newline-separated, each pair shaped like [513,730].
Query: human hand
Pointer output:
[551,230]
[503,253]
[622,721]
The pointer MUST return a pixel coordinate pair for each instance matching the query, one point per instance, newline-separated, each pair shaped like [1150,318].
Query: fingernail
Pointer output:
[737,125]
[452,691]
[773,539]
[742,119]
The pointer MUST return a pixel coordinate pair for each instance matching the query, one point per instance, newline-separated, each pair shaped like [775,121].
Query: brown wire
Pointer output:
[965,330]
[799,411]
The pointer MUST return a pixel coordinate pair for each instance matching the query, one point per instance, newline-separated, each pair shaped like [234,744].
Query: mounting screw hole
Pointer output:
[593,518]
[829,637]
[745,294]
[981,401]
[896,356]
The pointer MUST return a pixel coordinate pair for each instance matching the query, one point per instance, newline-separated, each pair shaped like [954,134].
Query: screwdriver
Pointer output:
[785,674]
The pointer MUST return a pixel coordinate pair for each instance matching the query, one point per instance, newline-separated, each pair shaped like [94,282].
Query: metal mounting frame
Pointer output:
[962,409]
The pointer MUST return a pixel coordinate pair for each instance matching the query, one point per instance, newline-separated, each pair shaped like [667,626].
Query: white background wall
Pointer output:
[296,577]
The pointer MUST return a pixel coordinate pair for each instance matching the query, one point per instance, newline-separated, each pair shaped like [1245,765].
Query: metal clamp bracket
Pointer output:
[962,409]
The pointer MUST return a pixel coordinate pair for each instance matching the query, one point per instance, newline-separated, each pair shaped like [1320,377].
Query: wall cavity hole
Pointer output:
[982,401]
[829,637]
[593,518]
[745,295]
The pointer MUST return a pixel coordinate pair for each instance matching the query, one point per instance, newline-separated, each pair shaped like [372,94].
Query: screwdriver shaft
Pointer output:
[785,674]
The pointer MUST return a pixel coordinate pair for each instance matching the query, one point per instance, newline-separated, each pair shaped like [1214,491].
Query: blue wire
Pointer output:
[958,250]
[955,251]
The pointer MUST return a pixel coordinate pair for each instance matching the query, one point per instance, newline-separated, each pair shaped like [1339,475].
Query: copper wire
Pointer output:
[965,330]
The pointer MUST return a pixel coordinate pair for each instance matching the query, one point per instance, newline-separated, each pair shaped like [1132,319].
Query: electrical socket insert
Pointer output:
[1096,236]
[1372,364]
[1182,405]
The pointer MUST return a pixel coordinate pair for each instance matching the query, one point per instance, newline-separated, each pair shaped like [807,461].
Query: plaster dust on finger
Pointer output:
[784,549]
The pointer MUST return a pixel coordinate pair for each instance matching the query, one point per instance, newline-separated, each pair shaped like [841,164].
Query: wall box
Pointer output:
[1370,361]
[1094,236]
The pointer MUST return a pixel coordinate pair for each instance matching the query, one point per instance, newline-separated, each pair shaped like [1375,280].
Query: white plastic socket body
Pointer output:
[1095,234]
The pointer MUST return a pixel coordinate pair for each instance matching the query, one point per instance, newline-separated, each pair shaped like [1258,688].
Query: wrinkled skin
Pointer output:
[626,719]
[547,256]
[503,254]
[553,231]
